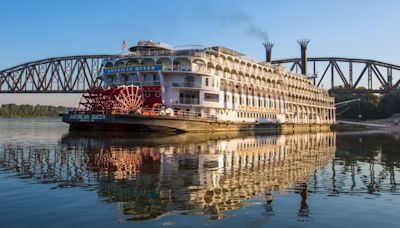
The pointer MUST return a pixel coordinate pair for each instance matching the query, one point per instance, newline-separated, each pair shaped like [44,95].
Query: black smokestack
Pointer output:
[268,51]
[303,45]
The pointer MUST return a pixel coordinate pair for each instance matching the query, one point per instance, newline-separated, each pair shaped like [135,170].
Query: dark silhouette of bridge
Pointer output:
[75,74]
[343,70]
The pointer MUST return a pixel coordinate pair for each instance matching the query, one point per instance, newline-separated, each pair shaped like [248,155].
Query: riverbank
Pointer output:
[31,119]
[347,127]
[391,124]
[31,111]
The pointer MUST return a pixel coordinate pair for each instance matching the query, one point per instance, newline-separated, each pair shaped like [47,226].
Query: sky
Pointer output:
[33,30]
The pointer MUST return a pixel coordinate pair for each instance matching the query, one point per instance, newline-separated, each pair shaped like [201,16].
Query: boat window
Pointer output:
[148,77]
[211,97]
[134,77]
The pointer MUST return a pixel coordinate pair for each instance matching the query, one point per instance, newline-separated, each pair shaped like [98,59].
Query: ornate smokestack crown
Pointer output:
[268,51]
[303,42]
[268,45]
[303,46]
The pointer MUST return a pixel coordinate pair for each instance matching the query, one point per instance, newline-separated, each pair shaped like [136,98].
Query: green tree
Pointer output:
[389,104]
[29,111]
[367,107]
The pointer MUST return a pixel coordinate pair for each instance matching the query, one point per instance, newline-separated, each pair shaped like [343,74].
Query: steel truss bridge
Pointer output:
[70,74]
[75,74]
[345,71]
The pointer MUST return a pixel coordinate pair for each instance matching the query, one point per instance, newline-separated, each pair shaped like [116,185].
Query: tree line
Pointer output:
[371,106]
[31,111]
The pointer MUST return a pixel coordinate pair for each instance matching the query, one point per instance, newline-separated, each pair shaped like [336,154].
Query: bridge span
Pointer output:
[69,74]
[75,74]
[343,71]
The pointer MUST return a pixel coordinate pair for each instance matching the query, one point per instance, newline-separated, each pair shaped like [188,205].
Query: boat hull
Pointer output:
[109,122]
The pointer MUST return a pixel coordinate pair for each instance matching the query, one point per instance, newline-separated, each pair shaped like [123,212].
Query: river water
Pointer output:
[50,177]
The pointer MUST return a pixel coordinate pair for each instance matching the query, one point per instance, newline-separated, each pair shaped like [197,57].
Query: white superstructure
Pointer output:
[216,82]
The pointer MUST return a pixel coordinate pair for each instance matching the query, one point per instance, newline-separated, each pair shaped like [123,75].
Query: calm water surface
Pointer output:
[52,178]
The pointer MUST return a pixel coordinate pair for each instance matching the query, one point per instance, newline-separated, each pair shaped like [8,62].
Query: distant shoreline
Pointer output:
[40,117]
[13,111]
[28,118]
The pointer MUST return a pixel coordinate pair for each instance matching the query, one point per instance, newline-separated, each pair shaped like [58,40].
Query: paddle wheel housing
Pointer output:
[112,100]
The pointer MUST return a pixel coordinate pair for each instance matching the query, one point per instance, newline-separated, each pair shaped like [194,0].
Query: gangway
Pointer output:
[343,103]
[340,104]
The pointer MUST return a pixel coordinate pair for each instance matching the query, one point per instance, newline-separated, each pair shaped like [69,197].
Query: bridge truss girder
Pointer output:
[382,72]
[71,74]
[75,74]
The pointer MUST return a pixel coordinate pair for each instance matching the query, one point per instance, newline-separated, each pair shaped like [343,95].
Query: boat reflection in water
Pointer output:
[148,176]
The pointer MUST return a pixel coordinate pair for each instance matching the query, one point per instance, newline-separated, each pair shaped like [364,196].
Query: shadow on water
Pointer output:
[147,176]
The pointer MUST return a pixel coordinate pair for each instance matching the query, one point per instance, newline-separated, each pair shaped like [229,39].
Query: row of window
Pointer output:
[256,115]
[262,102]
[134,77]
[148,79]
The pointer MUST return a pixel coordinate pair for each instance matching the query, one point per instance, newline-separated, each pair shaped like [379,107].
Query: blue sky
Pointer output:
[32,30]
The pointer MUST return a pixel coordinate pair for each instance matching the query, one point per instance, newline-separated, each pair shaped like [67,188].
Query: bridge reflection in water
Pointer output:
[150,176]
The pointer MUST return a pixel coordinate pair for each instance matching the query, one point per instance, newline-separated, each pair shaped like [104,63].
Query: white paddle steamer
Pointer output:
[159,87]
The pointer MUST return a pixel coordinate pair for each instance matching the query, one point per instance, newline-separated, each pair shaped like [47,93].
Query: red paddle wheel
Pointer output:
[94,100]
[111,100]
[127,99]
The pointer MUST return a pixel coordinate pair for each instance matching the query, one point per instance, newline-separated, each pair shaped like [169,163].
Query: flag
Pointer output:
[123,45]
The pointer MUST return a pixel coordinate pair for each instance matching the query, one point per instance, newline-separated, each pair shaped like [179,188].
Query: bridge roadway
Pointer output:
[75,74]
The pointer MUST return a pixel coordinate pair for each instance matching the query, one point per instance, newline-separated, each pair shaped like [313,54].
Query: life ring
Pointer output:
[169,112]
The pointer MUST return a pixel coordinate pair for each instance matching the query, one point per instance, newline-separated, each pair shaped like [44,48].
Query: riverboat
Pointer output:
[158,87]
